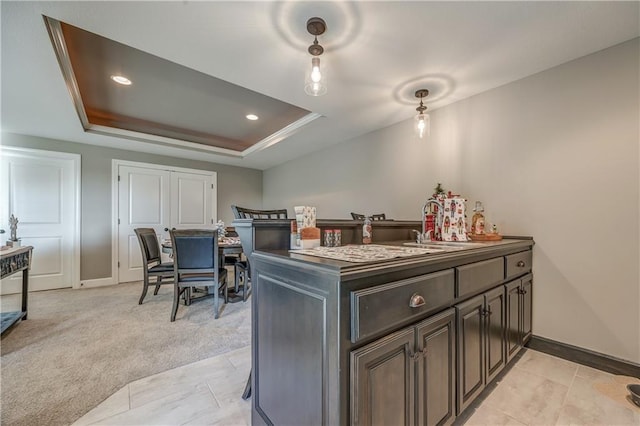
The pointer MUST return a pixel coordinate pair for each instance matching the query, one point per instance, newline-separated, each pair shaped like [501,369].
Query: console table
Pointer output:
[13,261]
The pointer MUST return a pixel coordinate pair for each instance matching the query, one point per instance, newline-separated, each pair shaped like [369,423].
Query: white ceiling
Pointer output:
[376,55]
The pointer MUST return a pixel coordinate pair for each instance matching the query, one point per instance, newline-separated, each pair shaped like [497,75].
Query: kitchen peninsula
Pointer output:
[408,340]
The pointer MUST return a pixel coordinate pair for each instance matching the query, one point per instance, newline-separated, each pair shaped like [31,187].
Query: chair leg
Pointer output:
[176,300]
[245,288]
[236,276]
[247,389]
[158,282]
[145,283]
[216,302]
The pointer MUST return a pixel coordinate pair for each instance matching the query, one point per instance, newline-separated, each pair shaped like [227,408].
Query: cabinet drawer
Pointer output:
[479,276]
[382,307]
[518,264]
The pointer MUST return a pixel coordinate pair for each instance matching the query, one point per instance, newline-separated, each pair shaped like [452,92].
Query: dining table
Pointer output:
[226,246]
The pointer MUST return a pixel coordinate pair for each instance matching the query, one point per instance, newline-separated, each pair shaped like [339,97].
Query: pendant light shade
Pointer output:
[423,121]
[315,82]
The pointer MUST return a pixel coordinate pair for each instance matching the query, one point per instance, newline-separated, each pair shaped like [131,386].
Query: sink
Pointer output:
[434,247]
[445,245]
[456,243]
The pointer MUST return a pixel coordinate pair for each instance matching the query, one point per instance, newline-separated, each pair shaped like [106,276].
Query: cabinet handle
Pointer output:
[520,264]
[414,356]
[522,291]
[486,312]
[424,352]
[416,301]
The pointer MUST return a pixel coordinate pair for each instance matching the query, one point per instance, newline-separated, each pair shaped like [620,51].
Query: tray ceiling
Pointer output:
[165,102]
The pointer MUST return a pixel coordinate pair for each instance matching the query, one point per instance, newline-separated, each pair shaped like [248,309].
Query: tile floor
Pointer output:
[539,390]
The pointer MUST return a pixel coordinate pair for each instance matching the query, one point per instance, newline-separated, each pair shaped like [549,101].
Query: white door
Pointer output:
[42,189]
[161,199]
[191,201]
[143,202]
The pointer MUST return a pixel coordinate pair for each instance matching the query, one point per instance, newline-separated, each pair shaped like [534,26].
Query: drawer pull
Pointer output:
[416,301]
[520,264]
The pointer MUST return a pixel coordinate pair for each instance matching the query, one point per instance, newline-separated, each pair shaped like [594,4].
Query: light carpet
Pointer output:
[80,346]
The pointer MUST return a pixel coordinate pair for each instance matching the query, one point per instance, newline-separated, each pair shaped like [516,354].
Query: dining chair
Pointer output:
[357,216]
[245,213]
[152,263]
[242,270]
[196,263]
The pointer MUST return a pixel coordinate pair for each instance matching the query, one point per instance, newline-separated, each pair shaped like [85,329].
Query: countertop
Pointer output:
[472,252]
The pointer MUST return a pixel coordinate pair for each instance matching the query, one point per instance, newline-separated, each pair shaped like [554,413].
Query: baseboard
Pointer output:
[584,356]
[98,282]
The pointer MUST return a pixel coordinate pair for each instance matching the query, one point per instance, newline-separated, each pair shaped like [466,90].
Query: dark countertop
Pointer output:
[433,261]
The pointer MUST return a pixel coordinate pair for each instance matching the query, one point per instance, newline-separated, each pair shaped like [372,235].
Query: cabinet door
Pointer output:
[526,301]
[513,339]
[470,353]
[382,381]
[435,397]
[495,327]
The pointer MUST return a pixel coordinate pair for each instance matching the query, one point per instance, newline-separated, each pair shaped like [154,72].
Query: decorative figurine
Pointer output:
[477,221]
[222,232]
[13,225]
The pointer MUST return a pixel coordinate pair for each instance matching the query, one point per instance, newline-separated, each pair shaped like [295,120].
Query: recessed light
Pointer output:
[252,117]
[121,80]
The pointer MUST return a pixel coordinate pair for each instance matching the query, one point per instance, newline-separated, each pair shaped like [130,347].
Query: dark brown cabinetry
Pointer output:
[519,306]
[436,385]
[481,343]
[402,342]
[406,378]
[382,381]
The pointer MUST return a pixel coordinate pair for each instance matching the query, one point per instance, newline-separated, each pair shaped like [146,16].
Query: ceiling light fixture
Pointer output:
[315,83]
[252,117]
[121,80]
[423,121]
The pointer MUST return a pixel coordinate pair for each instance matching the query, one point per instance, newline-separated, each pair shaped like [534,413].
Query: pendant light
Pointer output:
[423,121]
[315,83]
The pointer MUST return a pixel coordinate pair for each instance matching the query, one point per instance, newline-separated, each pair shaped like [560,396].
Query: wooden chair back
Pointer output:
[245,213]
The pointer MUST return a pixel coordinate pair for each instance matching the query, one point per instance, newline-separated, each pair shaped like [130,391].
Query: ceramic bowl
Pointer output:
[634,390]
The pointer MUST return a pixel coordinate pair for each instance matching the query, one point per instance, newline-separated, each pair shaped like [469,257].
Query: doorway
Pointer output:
[162,198]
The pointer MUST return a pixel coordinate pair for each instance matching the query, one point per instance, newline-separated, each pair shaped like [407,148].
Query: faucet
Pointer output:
[428,235]
[422,237]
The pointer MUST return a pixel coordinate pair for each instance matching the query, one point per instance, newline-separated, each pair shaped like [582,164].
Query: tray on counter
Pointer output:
[363,253]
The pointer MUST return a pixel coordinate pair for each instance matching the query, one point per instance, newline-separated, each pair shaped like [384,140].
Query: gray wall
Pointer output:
[555,155]
[236,185]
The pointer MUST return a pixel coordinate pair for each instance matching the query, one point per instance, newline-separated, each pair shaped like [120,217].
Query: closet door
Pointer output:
[192,201]
[159,198]
[143,202]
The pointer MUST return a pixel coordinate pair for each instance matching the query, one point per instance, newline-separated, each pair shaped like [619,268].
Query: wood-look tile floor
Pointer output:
[539,390]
